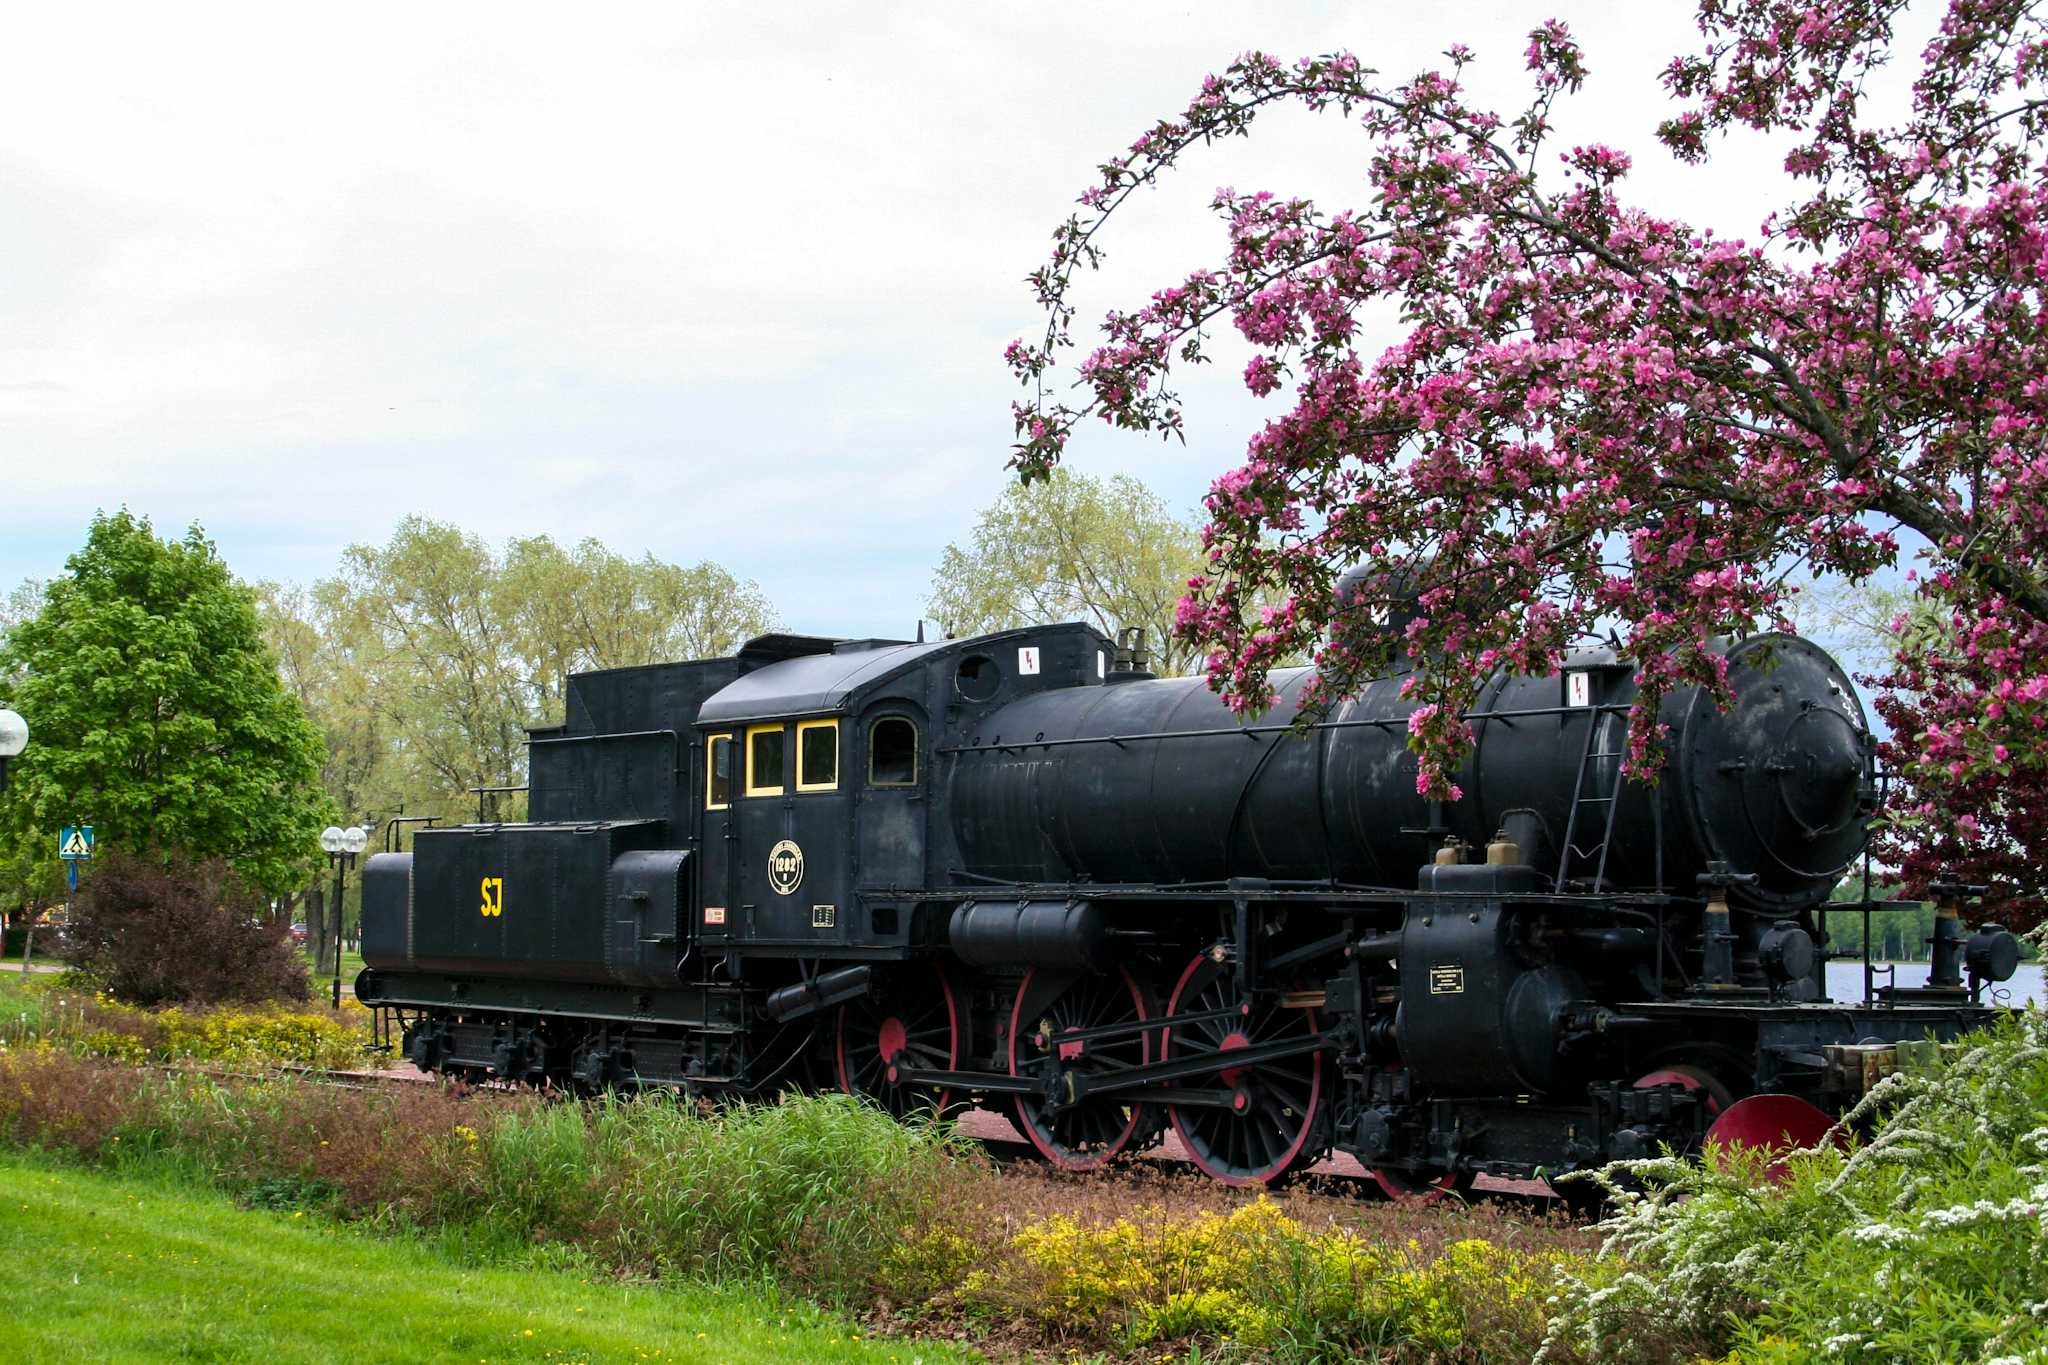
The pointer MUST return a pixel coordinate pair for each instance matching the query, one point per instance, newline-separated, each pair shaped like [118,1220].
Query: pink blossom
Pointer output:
[1591,415]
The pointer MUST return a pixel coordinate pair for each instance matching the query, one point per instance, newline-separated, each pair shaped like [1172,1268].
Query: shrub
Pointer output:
[1261,1280]
[263,1036]
[1926,1243]
[157,929]
[66,1012]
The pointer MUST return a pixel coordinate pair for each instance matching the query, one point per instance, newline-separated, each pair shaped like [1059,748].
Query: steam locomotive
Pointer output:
[1019,871]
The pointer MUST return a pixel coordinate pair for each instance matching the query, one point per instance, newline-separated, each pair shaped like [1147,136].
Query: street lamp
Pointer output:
[13,739]
[341,844]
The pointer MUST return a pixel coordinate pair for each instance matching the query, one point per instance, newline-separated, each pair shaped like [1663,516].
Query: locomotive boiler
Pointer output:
[1017,871]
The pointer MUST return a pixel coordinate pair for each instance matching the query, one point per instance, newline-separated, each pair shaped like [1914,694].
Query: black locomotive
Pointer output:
[1019,871]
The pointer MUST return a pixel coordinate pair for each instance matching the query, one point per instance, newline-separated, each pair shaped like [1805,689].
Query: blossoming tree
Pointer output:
[1596,416]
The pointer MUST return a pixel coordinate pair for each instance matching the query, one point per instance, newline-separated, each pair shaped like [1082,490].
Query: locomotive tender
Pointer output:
[1017,870]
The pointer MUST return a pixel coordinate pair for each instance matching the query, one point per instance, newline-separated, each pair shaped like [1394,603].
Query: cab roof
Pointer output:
[812,683]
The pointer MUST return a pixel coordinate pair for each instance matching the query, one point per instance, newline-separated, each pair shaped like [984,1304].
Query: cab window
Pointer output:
[718,754]
[817,755]
[892,752]
[765,747]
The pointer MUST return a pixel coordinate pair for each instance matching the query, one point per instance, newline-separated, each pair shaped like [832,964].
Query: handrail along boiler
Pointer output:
[1018,870]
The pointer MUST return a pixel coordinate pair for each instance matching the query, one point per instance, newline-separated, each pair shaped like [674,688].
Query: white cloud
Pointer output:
[726,281]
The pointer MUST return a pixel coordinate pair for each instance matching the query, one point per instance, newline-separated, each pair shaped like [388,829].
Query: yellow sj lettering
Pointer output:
[494,897]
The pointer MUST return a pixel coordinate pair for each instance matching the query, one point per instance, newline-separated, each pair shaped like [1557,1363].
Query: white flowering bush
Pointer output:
[1924,1242]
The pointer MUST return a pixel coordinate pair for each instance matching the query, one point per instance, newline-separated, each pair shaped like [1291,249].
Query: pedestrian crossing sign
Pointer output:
[74,842]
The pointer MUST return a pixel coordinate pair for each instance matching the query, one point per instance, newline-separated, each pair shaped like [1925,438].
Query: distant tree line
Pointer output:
[1071,547]
[213,721]
[1899,935]
[177,709]
[180,711]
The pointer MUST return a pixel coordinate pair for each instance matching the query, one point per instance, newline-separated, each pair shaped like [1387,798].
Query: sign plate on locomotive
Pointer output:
[785,868]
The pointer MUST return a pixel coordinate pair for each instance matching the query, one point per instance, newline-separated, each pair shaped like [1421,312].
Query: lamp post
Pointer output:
[13,739]
[341,845]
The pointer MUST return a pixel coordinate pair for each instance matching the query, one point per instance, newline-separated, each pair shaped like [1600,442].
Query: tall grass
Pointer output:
[813,1190]
[825,1183]
[821,1195]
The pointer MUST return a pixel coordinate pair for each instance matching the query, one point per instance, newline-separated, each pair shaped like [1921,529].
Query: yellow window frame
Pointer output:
[754,788]
[711,743]
[802,727]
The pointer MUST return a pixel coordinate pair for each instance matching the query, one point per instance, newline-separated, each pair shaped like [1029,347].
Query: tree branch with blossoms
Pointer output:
[1596,416]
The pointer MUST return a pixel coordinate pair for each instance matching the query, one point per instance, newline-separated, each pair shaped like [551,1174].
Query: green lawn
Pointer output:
[112,1268]
[351,963]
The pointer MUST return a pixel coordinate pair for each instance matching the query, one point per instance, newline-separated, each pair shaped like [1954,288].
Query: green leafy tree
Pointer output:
[590,607]
[157,714]
[1858,621]
[31,877]
[427,657]
[318,662]
[20,605]
[419,617]
[1073,547]
[31,882]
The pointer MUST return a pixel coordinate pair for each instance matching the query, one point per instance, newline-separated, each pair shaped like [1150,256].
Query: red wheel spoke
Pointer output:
[1097,1130]
[1267,1132]
[921,1026]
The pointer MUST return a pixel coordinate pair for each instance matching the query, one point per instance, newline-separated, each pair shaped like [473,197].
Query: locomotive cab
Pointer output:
[818,762]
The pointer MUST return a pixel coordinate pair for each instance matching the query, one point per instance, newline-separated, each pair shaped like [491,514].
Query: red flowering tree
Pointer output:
[1599,416]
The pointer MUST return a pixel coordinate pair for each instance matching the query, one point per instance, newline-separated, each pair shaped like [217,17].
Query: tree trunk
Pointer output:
[316,928]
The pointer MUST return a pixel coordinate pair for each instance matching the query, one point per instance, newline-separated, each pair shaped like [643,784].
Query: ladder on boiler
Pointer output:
[1597,721]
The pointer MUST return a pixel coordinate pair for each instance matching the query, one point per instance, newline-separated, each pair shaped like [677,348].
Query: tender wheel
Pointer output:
[916,1022]
[1048,1008]
[1714,1096]
[1261,1128]
[1584,1198]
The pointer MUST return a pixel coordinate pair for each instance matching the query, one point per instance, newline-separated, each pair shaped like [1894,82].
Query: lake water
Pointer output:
[1845,982]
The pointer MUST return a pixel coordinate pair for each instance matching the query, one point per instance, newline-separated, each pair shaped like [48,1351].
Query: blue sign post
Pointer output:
[74,846]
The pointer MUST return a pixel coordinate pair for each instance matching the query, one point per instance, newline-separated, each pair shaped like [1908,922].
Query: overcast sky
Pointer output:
[724,282]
